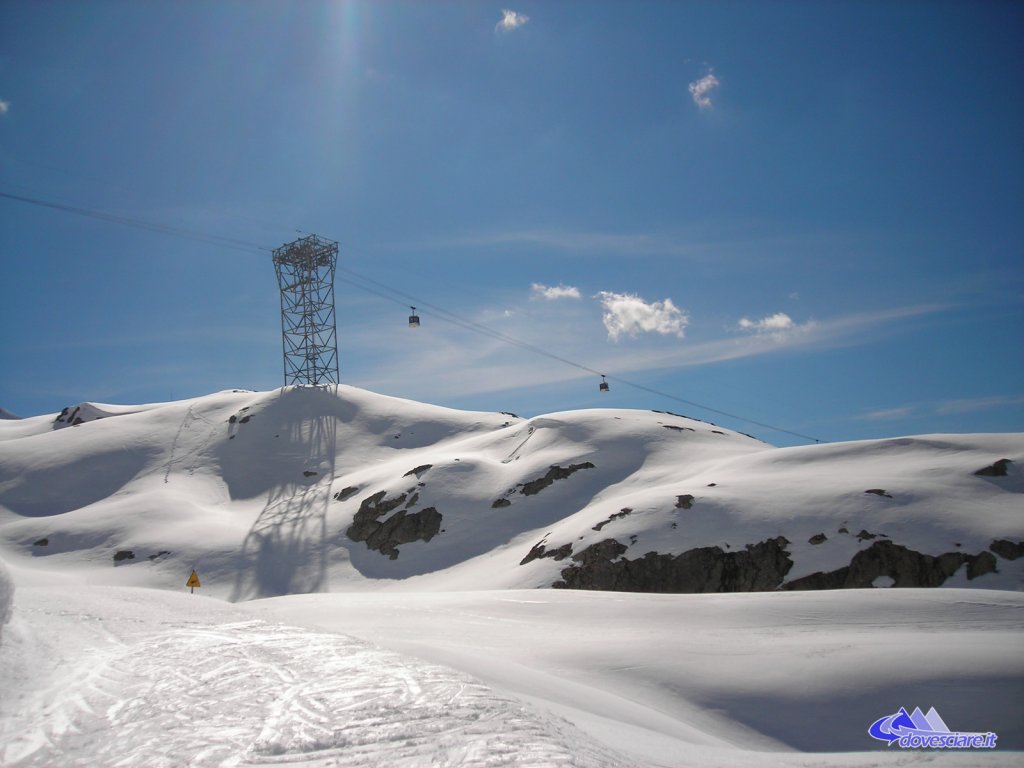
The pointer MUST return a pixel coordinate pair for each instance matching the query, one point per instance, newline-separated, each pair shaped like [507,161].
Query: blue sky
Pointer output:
[804,213]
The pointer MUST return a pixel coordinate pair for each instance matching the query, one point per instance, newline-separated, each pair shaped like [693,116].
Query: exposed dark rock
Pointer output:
[554,473]
[401,528]
[499,503]
[904,566]
[159,554]
[539,551]
[712,485]
[981,564]
[309,473]
[843,529]
[244,419]
[123,554]
[998,469]
[1007,549]
[716,432]
[865,536]
[759,567]
[678,429]
[372,507]
[418,470]
[232,419]
[346,493]
[509,413]
[670,413]
[412,500]
[878,492]
[818,538]
[41,542]
[685,501]
[616,516]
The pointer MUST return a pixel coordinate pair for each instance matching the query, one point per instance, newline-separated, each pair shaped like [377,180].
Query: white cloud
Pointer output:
[5,107]
[550,293]
[776,323]
[626,313]
[510,20]
[701,90]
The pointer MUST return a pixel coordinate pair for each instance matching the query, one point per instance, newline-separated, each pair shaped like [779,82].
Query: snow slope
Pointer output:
[260,491]
[399,624]
[109,676]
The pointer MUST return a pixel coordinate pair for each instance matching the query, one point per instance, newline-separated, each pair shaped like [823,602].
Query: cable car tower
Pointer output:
[305,274]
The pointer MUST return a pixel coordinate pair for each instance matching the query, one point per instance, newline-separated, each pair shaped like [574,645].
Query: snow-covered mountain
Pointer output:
[313,489]
[405,544]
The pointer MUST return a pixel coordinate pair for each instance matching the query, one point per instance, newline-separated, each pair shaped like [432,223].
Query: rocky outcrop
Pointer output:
[818,538]
[1007,549]
[904,566]
[402,527]
[998,469]
[760,567]
[346,493]
[554,473]
[539,551]
[418,470]
[625,512]
[123,554]
[684,501]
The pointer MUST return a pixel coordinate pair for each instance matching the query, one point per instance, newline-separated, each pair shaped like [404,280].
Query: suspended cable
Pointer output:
[206,237]
[384,291]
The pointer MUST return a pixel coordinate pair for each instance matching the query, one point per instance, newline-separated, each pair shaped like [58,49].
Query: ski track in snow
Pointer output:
[250,693]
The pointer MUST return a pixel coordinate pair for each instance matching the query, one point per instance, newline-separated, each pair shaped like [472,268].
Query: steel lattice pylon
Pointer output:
[305,274]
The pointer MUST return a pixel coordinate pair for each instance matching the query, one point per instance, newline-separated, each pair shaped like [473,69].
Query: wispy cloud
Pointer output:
[510,20]
[943,408]
[700,90]
[551,293]
[581,241]
[456,363]
[977,404]
[889,414]
[5,107]
[627,314]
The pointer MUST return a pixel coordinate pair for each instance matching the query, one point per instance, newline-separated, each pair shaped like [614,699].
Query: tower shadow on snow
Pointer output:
[285,550]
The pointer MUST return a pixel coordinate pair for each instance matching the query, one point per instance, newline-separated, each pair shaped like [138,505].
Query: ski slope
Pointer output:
[112,676]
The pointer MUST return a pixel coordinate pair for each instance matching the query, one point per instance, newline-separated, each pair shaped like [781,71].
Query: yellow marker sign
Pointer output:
[193,581]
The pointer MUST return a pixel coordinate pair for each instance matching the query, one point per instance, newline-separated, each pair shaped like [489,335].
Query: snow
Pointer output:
[307,648]
[6,596]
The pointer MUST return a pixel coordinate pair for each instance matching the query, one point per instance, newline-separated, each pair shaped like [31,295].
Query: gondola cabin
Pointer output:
[414,319]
